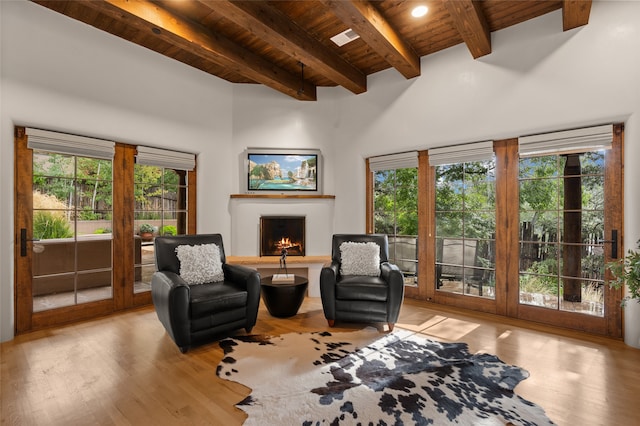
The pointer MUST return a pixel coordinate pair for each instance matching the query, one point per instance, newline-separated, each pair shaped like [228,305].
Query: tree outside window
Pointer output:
[396,214]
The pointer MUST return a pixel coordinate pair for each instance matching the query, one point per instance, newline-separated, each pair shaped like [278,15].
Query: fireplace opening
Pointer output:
[278,233]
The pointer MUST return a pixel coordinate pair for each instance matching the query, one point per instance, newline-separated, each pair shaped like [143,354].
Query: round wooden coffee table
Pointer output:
[283,299]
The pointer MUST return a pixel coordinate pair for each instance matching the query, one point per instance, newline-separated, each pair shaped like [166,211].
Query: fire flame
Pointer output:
[284,243]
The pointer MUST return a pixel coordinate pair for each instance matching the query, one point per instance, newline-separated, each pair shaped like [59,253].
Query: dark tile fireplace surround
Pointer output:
[282,232]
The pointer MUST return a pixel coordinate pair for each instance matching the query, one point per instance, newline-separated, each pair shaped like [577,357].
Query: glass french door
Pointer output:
[72,221]
[570,227]
[64,262]
[562,235]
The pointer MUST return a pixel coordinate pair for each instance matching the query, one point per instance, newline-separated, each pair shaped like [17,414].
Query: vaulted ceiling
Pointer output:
[286,45]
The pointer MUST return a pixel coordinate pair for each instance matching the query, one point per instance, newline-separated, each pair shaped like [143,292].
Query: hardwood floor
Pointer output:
[125,370]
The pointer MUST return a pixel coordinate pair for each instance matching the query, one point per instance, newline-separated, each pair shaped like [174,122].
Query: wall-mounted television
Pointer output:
[283,171]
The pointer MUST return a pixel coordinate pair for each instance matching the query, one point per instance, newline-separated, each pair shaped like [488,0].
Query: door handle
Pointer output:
[23,242]
[614,243]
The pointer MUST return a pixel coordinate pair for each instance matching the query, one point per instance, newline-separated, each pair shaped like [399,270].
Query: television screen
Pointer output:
[282,171]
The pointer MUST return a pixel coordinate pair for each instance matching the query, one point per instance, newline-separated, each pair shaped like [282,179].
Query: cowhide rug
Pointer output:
[371,378]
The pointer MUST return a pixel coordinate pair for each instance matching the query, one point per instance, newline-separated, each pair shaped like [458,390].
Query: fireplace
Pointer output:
[278,233]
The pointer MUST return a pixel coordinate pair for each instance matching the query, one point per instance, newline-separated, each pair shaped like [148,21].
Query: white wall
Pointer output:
[537,78]
[60,74]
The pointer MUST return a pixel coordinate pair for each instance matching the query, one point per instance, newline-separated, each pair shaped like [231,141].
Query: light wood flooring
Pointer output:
[125,370]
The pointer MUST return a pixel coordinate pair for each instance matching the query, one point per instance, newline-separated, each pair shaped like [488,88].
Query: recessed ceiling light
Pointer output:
[419,11]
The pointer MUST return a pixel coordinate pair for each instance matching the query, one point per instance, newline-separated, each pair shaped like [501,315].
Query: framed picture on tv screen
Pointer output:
[283,171]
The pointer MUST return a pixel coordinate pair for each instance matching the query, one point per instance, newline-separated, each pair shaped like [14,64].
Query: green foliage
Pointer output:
[48,225]
[545,267]
[80,181]
[88,214]
[169,230]
[171,177]
[152,215]
[396,202]
[465,200]
[146,227]
[148,183]
[537,284]
[626,271]
[53,174]
[102,231]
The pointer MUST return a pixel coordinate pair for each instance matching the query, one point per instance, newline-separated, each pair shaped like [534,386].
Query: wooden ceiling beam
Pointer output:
[199,40]
[272,26]
[575,13]
[363,18]
[469,20]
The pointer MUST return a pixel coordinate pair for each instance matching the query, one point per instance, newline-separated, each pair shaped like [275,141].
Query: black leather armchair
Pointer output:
[356,298]
[198,313]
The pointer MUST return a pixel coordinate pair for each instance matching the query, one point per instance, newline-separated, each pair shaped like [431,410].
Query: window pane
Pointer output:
[540,226]
[53,165]
[593,194]
[53,193]
[479,195]
[479,224]
[478,282]
[52,224]
[449,224]
[395,213]
[592,163]
[539,290]
[539,194]
[449,195]
[160,209]
[72,216]
[591,300]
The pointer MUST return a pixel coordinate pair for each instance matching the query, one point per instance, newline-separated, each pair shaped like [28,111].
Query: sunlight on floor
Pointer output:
[432,321]
[451,329]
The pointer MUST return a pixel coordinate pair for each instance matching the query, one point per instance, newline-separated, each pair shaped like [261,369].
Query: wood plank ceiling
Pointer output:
[286,45]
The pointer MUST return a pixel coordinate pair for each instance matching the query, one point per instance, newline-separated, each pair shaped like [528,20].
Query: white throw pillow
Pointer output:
[360,259]
[200,264]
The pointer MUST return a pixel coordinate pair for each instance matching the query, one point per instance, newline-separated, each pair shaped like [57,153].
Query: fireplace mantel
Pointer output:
[276,196]
[274,260]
